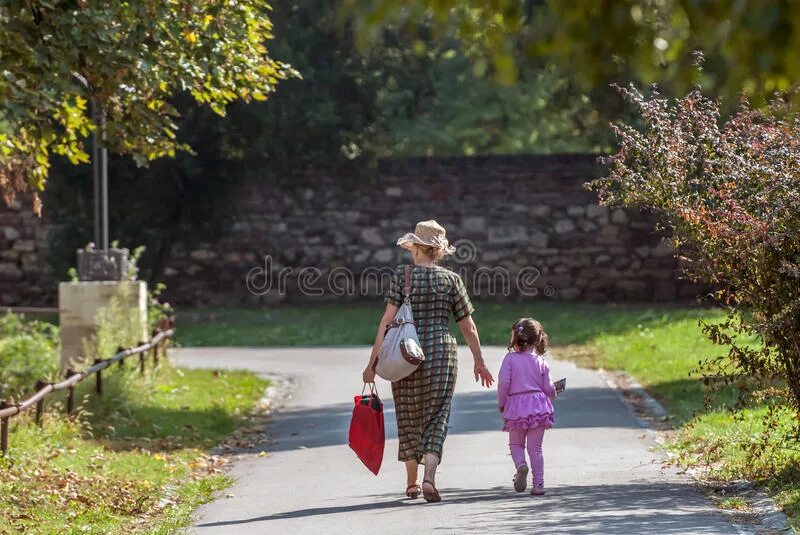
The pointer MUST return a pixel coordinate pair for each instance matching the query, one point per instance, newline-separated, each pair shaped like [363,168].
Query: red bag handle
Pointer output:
[373,389]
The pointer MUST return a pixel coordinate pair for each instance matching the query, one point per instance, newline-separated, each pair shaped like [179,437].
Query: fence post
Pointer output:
[39,404]
[122,360]
[70,394]
[99,380]
[4,429]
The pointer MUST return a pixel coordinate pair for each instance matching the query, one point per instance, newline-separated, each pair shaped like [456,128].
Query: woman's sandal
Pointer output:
[430,496]
[412,491]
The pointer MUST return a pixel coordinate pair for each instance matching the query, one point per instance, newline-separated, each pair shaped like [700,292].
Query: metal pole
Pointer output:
[104,181]
[96,172]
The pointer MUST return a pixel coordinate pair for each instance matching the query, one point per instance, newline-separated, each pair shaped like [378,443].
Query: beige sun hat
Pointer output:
[428,233]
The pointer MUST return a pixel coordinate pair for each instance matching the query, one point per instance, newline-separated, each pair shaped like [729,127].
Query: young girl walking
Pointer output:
[524,391]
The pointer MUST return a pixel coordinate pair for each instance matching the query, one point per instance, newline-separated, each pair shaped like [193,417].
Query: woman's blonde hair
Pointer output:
[434,253]
[527,333]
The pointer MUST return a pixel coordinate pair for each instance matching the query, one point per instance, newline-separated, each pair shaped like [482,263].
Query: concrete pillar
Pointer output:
[78,307]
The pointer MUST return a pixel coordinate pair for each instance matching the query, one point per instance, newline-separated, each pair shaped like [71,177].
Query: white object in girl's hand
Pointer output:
[560,385]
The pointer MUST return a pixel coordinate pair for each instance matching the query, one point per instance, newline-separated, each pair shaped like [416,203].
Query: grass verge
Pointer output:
[134,460]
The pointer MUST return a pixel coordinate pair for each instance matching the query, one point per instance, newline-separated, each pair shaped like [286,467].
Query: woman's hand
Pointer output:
[369,375]
[483,374]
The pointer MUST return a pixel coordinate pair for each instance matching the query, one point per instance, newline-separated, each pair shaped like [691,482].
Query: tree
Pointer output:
[128,58]
[465,113]
[729,191]
[749,44]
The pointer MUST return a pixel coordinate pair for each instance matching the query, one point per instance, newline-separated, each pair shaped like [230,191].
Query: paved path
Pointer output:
[601,473]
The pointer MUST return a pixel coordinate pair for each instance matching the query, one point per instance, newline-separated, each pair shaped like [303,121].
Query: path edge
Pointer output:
[654,418]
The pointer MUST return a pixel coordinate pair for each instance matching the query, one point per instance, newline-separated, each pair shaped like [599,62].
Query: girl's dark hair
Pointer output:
[527,333]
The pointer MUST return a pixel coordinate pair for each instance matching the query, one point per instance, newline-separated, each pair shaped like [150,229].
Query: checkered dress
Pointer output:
[422,400]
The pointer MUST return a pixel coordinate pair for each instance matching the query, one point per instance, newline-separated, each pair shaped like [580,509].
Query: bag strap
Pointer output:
[407,283]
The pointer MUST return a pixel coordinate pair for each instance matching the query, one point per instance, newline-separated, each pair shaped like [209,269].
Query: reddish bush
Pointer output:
[729,190]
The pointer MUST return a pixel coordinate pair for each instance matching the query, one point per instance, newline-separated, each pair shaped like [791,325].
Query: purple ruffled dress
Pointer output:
[524,391]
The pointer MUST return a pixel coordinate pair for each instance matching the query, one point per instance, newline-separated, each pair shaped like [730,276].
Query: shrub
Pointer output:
[730,191]
[28,352]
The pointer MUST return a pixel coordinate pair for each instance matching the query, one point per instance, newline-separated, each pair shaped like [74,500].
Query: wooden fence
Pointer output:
[157,345]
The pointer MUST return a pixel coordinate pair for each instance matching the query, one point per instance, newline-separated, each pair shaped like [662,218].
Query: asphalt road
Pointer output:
[602,472]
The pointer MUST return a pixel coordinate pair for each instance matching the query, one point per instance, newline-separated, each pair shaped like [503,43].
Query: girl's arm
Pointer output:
[388,315]
[503,383]
[548,387]
[470,332]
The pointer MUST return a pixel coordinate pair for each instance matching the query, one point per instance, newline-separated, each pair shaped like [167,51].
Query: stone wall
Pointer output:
[24,276]
[524,227]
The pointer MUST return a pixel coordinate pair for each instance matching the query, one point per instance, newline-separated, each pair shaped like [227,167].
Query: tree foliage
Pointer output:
[464,113]
[129,58]
[730,191]
[749,44]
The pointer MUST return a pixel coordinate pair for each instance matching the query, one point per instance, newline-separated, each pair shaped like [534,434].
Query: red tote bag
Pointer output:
[367,436]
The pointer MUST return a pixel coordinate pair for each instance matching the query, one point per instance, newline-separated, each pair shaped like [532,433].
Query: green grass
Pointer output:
[134,460]
[349,324]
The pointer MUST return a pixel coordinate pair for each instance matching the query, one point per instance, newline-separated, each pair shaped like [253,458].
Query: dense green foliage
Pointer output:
[129,58]
[467,114]
[28,353]
[749,44]
[729,191]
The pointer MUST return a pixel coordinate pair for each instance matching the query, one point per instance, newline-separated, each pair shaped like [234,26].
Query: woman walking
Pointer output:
[422,400]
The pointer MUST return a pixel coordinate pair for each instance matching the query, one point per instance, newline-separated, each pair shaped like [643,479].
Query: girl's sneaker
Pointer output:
[521,478]
[537,491]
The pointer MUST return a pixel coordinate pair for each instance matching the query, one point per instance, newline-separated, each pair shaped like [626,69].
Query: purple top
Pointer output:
[524,391]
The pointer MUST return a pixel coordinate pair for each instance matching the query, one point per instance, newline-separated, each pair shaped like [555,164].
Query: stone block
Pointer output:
[203,255]
[78,307]
[10,272]
[643,251]
[24,246]
[383,256]
[595,211]
[539,240]
[568,294]
[576,211]
[473,224]
[10,233]
[619,216]
[539,210]
[663,249]
[372,236]
[563,226]
[508,234]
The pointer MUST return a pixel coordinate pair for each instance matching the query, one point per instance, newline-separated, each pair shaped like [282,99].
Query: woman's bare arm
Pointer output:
[388,316]
[470,332]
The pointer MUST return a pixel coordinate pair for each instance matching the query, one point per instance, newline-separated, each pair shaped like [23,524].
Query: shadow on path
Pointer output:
[635,508]
[473,412]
